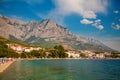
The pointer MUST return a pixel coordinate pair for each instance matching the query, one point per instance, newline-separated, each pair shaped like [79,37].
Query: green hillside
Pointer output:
[5,51]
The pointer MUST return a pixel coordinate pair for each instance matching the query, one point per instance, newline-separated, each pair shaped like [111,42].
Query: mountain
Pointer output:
[46,33]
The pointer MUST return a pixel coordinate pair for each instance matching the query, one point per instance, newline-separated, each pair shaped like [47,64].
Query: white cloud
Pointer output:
[100,27]
[97,24]
[89,14]
[116,12]
[117,27]
[97,21]
[86,21]
[85,8]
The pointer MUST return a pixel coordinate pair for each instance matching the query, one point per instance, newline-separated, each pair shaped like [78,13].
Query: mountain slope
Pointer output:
[46,33]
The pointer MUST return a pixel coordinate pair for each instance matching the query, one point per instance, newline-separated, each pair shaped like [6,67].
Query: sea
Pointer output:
[63,69]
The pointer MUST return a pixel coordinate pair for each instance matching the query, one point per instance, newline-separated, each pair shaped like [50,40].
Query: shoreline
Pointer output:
[4,66]
[67,59]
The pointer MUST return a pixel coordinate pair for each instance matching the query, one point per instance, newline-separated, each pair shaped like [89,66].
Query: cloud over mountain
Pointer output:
[81,7]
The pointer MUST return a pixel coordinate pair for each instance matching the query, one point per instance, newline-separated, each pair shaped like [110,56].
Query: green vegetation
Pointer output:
[61,51]
[86,46]
[33,54]
[77,45]
[115,55]
[57,52]
[83,55]
[14,40]
[5,51]
[41,42]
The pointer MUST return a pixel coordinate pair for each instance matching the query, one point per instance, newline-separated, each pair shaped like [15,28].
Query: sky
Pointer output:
[98,19]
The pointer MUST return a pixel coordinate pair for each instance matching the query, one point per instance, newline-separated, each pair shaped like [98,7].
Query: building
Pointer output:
[73,54]
[28,49]
[100,56]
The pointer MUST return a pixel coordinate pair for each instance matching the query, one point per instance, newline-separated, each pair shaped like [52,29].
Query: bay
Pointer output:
[63,69]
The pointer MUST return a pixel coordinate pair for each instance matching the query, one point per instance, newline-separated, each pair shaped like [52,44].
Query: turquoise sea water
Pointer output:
[63,70]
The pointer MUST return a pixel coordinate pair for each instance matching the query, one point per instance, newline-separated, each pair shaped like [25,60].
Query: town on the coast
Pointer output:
[57,52]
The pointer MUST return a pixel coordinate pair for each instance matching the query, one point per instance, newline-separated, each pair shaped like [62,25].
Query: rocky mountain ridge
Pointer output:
[46,33]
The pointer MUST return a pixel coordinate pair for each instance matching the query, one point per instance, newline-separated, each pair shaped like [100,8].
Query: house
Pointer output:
[73,54]
[88,53]
[19,49]
[37,48]
[100,56]
[28,49]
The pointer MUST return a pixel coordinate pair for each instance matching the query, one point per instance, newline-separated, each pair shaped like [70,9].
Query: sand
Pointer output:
[5,65]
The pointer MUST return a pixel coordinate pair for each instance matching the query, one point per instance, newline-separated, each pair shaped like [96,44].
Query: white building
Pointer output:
[28,49]
[100,56]
[37,48]
[73,54]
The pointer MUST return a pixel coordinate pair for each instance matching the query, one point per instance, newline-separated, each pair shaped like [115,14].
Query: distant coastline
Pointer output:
[67,59]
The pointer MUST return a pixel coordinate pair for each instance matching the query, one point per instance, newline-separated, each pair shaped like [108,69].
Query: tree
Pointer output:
[60,48]
[42,53]
[23,55]
[12,54]
[115,55]
[82,55]
[35,53]
[54,54]
[5,51]
[61,51]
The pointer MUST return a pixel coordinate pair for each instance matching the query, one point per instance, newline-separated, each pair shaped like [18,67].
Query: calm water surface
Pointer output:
[63,70]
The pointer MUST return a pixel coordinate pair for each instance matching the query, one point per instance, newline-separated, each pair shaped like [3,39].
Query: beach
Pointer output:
[5,66]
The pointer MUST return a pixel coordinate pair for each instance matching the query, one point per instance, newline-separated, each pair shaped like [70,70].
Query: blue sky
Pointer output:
[99,19]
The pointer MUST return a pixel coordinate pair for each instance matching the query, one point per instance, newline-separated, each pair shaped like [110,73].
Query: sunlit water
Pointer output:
[63,70]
